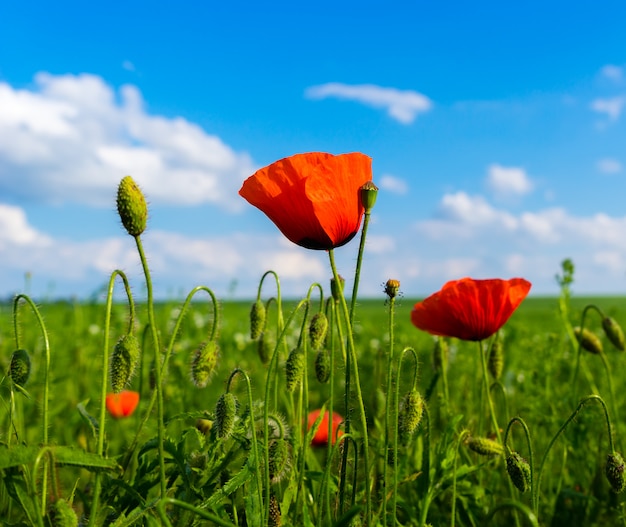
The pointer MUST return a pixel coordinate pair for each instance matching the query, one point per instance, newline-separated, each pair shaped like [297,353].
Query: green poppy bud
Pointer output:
[19,370]
[317,329]
[204,363]
[294,368]
[257,319]
[225,412]
[519,471]
[484,446]
[588,340]
[131,206]
[613,332]
[124,362]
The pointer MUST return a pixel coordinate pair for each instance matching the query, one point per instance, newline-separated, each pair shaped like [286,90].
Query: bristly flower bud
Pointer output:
[519,471]
[392,288]
[225,411]
[204,363]
[62,514]
[294,368]
[124,362]
[335,289]
[322,366]
[274,519]
[317,330]
[19,370]
[369,193]
[613,332]
[131,206]
[615,471]
[484,446]
[588,341]
[496,358]
[410,413]
[279,459]
[257,319]
[265,347]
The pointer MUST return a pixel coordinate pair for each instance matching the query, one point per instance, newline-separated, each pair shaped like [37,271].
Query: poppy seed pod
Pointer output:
[124,362]
[131,206]
[613,332]
[392,288]
[518,470]
[19,370]
[588,341]
[369,193]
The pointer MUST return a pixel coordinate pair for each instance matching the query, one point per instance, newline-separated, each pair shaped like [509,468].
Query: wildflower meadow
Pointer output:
[475,406]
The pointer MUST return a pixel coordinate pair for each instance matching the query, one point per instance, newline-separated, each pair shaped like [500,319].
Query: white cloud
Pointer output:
[402,105]
[612,106]
[72,138]
[609,166]
[612,72]
[393,184]
[15,229]
[506,181]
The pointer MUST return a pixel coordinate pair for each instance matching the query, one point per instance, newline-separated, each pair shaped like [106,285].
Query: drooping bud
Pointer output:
[257,319]
[317,330]
[519,471]
[279,459]
[484,446]
[392,288]
[615,471]
[131,206]
[410,413]
[369,192]
[19,370]
[225,411]
[496,358]
[294,368]
[264,348]
[62,514]
[274,519]
[613,332]
[124,362]
[322,366]
[204,363]
[588,340]
[337,289]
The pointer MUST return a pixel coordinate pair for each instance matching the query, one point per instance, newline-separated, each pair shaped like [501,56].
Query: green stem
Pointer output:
[359,261]
[357,387]
[158,366]
[492,411]
[389,396]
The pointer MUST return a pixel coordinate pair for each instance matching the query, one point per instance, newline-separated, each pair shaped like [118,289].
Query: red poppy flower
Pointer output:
[122,404]
[312,198]
[470,309]
[321,436]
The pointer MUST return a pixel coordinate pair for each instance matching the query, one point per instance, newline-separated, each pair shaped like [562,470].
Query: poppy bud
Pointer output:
[62,514]
[496,359]
[322,366]
[615,471]
[484,446]
[335,289]
[257,319]
[369,193]
[264,348]
[279,459]
[124,361]
[613,332]
[519,471]
[19,370]
[410,414]
[225,411]
[392,287]
[588,340]
[204,363]
[131,206]
[274,519]
[317,329]
[294,368]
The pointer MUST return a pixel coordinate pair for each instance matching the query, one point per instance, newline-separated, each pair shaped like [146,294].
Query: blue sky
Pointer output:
[497,133]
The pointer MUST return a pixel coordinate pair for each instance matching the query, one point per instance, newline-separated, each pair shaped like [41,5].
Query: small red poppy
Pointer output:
[321,436]
[314,198]
[122,404]
[470,309]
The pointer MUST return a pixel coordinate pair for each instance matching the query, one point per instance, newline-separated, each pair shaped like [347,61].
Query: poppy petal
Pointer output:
[122,404]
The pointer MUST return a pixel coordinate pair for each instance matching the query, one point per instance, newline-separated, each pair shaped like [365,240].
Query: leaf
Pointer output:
[63,455]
